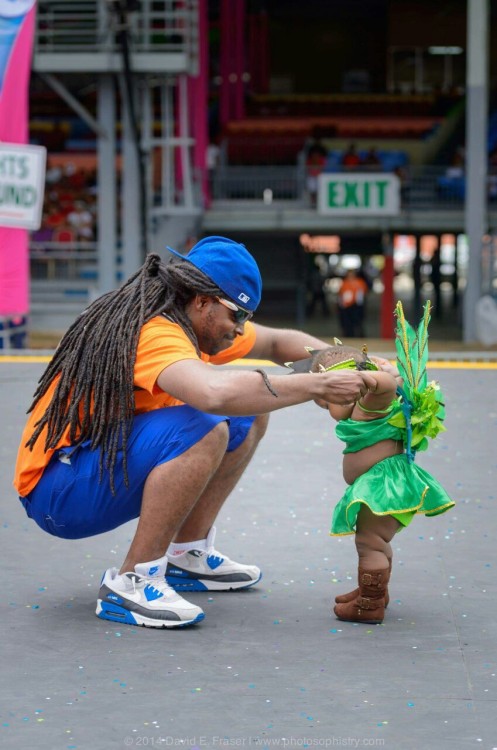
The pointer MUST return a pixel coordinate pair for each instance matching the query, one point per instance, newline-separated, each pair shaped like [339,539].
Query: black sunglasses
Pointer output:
[240,315]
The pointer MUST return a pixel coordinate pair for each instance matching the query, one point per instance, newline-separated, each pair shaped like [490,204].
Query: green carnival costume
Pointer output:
[396,486]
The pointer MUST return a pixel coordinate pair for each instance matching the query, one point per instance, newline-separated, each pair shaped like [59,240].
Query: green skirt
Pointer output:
[392,487]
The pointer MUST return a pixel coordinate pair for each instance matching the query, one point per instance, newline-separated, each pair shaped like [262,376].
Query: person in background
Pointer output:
[351,300]
[315,163]
[350,159]
[371,160]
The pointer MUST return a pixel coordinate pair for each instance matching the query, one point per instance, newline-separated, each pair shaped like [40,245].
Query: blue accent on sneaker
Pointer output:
[198,618]
[213,561]
[153,570]
[186,585]
[119,614]
[178,572]
[193,584]
[116,614]
[152,593]
[115,598]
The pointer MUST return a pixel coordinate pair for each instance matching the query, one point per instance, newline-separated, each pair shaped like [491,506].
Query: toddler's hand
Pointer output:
[385,365]
[321,403]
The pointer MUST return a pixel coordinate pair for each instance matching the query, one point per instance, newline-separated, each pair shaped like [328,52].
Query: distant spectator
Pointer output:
[80,220]
[372,161]
[315,162]
[54,216]
[403,176]
[53,175]
[350,159]
[70,202]
[213,159]
[456,168]
[351,299]
[316,288]
[492,175]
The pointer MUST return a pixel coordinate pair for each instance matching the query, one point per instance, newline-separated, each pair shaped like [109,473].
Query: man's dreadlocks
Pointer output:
[94,396]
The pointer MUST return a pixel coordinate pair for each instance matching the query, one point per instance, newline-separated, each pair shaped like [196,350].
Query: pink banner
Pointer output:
[17,19]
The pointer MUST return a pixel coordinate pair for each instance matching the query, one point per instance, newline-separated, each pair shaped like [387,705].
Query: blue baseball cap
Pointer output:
[229,265]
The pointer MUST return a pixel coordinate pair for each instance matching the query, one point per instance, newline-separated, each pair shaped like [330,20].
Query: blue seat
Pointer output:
[452,187]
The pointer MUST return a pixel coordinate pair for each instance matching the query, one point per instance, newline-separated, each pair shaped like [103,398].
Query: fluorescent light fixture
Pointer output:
[445,50]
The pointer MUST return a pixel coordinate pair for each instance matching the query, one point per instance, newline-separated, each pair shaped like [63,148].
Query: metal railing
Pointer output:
[285,183]
[72,26]
[67,261]
[13,332]
[423,188]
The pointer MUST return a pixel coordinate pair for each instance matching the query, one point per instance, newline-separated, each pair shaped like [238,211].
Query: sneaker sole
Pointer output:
[115,613]
[203,584]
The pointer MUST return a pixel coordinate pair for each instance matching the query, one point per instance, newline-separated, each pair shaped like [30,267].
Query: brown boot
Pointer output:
[345,598]
[369,605]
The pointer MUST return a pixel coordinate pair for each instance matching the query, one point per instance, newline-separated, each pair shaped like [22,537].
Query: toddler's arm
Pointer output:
[340,412]
[374,401]
[381,397]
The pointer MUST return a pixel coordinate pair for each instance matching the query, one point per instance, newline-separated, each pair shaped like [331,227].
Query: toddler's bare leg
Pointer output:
[372,539]
[373,535]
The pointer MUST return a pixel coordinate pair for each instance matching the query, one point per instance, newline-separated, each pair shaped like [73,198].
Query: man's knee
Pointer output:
[259,427]
[217,439]
[256,432]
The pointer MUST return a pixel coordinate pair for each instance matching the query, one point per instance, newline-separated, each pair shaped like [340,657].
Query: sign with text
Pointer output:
[22,182]
[359,194]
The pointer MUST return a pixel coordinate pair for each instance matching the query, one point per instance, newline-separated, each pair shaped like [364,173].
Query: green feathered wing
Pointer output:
[426,398]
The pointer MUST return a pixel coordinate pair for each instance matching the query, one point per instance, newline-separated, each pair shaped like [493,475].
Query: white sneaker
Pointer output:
[209,570]
[143,597]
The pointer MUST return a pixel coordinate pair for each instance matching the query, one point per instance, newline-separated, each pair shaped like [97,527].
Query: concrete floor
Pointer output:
[271,666]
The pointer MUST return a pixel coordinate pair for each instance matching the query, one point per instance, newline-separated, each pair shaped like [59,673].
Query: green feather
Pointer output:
[405,344]
[426,398]
[421,378]
[412,349]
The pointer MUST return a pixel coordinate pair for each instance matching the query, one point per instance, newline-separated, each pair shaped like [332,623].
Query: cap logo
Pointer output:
[243,298]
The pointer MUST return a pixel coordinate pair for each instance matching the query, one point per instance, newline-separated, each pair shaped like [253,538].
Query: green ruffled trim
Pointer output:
[426,418]
[433,512]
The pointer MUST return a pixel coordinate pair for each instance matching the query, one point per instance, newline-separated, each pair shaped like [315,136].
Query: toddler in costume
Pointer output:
[382,432]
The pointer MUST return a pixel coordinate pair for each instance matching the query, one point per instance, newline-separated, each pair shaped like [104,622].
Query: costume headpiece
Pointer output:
[348,359]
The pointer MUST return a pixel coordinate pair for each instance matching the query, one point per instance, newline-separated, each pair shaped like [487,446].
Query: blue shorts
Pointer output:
[70,502]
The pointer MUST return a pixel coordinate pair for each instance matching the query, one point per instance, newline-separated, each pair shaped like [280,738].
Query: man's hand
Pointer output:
[343,387]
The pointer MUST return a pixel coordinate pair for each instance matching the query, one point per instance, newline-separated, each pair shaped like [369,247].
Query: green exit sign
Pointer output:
[359,194]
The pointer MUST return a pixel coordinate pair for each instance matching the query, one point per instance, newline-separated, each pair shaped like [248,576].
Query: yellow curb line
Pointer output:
[438,365]
[457,365]
[25,358]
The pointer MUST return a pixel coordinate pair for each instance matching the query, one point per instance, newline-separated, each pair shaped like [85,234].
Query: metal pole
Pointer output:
[106,149]
[416,274]
[147,103]
[185,142]
[476,155]
[130,199]
[387,300]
